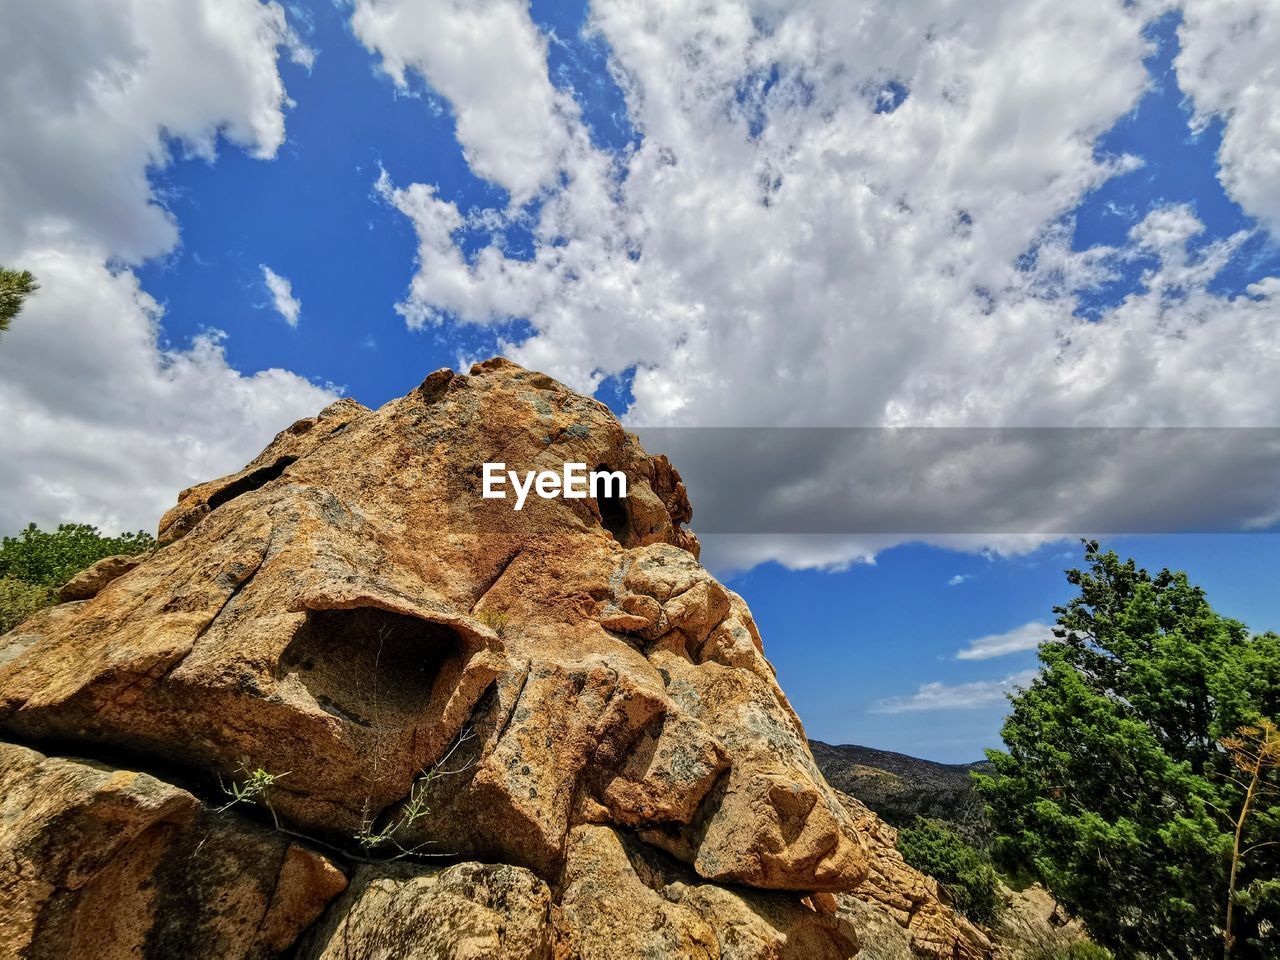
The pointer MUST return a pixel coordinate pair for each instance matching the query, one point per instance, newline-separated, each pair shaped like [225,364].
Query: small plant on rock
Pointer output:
[495,620]
[384,843]
[253,789]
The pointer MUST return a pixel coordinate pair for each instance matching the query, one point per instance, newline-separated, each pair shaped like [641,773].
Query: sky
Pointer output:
[1059,219]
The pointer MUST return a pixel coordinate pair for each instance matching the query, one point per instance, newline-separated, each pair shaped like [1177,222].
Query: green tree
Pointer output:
[966,874]
[15,287]
[51,558]
[1115,790]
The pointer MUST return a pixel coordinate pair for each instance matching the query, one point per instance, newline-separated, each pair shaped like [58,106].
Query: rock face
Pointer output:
[470,911]
[424,675]
[1031,922]
[909,898]
[105,863]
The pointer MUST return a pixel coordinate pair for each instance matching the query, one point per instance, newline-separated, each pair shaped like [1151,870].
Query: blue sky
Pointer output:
[767,218]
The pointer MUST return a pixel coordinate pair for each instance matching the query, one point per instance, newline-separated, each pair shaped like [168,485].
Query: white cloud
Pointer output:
[488,60]
[775,252]
[1029,636]
[103,424]
[1229,69]
[956,696]
[282,298]
[958,579]
[101,91]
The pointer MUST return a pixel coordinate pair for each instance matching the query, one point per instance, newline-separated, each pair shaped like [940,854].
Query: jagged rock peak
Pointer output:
[562,692]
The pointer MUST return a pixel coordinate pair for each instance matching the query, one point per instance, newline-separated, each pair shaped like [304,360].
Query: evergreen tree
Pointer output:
[15,287]
[1115,789]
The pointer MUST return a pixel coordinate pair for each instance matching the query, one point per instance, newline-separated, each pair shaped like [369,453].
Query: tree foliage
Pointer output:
[965,873]
[51,558]
[15,287]
[1115,789]
[36,562]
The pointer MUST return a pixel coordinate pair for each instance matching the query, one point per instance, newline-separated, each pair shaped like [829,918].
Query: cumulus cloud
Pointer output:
[956,696]
[958,579]
[103,91]
[852,215]
[102,423]
[488,60]
[1229,69]
[282,298]
[1029,636]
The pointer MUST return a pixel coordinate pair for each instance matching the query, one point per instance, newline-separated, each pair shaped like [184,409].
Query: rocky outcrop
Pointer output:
[1031,921]
[912,900]
[88,583]
[415,673]
[470,911]
[114,864]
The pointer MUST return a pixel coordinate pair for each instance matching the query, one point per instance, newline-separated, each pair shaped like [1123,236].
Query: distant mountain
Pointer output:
[900,787]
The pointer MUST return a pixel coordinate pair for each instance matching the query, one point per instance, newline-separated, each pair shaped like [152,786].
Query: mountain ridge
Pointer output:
[900,787]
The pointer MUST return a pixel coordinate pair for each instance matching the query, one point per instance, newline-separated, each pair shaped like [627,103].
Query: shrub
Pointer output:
[495,620]
[51,558]
[965,873]
[19,600]
[1074,950]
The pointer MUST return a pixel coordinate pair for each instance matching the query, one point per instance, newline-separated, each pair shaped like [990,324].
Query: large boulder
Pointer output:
[88,583]
[468,911]
[115,864]
[408,670]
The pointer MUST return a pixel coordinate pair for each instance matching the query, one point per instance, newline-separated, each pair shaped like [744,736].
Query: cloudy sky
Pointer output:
[1059,218]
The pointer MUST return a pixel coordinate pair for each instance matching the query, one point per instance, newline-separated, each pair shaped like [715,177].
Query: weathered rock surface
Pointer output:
[616,897]
[470,911]
[110,864]
[562,692]
[1032,920]
[88,583]
[912,900]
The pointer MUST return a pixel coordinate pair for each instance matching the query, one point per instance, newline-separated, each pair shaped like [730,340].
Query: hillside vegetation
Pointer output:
[35,563]
[1135,782]
[900,787]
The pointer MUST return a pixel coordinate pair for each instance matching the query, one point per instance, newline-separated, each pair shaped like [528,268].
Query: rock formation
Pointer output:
[538,733]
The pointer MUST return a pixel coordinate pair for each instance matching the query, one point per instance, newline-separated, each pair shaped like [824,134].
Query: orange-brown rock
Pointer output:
[561,691]
[328,612]
[468,911]
[89,582]
[619,897]
[910,899]
[115,864]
